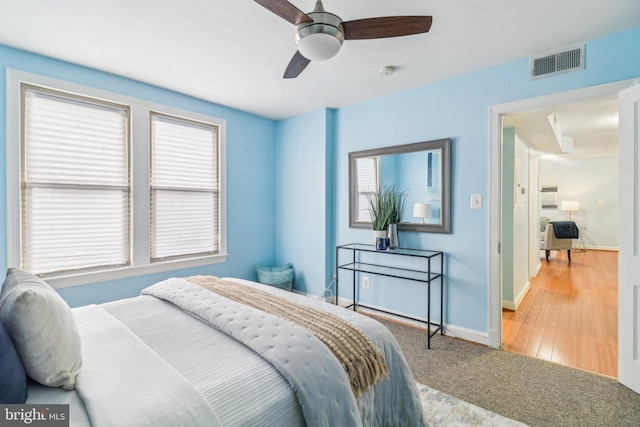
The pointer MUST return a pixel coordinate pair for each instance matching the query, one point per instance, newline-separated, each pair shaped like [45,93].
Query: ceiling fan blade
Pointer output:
[285,10]
[297,64]
[390,26]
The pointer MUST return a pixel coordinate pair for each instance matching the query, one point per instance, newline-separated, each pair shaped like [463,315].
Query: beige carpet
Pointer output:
[521,388]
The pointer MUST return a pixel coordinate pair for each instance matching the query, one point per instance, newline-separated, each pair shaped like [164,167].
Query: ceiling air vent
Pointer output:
[557,62]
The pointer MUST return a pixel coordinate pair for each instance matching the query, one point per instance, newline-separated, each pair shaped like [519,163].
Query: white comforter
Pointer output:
[124,383]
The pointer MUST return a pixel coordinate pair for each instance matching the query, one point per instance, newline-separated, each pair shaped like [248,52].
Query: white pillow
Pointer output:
[42,328]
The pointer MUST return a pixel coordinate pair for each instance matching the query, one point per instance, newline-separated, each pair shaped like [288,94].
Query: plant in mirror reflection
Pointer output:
[386,206]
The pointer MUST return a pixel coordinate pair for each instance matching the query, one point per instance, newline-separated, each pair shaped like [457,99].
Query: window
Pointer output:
[102,186]
[75,182]
[184,187]
[367,172]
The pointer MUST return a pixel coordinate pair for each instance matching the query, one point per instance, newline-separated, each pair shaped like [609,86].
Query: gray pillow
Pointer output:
[42,328]
[543,223]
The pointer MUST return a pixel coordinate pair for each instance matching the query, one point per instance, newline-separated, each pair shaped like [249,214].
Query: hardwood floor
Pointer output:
[570,314]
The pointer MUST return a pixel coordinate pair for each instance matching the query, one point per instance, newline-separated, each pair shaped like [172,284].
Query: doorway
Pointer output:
[495,205]
[557,307]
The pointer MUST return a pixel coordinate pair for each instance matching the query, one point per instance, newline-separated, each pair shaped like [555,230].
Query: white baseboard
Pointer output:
[513,305]
[467,334]
[509,305]
[598,248]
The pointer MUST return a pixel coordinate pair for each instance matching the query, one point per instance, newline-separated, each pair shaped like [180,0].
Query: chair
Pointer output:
[549,242]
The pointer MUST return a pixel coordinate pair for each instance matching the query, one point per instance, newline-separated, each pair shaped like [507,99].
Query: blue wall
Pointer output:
[459,109]
[250,175]
[305,198]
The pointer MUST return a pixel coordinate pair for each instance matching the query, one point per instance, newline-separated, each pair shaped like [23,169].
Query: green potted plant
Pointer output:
[386,207]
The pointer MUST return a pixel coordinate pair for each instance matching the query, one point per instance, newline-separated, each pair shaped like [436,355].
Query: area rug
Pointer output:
[443,410]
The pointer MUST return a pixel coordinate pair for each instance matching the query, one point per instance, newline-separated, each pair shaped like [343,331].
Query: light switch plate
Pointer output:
[476,201]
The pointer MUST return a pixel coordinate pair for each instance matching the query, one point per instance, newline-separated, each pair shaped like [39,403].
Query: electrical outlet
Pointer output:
[365,282]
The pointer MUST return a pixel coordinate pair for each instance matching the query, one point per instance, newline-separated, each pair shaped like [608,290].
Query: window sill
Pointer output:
[76,279]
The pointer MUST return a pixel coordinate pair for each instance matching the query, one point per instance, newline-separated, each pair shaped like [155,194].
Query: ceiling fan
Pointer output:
[319,34]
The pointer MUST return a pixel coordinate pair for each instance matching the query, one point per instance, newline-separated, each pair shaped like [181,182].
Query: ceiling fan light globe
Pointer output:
[321,39]
[319,46]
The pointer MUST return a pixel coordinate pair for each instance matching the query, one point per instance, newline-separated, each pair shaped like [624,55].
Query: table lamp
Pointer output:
[422,210]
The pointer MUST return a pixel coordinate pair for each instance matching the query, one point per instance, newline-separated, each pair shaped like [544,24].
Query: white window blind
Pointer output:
[75,182]
[184,187]
[367,171]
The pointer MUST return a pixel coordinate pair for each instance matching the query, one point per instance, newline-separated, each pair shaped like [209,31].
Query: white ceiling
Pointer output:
[234,52]
[593,125]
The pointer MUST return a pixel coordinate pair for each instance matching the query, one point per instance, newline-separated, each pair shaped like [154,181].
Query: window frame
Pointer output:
[183,121]
[139,164]
[26,183]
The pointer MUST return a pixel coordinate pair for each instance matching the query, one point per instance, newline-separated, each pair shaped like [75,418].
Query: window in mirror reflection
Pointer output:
[367,171]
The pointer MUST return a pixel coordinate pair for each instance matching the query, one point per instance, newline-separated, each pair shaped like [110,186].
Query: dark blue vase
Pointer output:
[382,243]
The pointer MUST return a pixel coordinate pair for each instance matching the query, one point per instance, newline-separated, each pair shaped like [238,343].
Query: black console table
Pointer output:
[432,271]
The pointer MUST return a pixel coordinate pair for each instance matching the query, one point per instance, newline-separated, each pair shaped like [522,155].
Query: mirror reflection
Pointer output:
[420,170]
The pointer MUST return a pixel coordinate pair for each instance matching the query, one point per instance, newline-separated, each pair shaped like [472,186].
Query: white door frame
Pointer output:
[495,173]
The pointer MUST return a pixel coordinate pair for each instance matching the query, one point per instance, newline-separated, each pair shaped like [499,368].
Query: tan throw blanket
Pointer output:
[361,360]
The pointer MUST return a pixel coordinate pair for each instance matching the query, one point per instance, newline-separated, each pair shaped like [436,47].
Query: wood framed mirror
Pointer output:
[421,169]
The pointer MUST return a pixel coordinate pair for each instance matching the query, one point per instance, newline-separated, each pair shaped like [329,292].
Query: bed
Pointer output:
[197,351]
